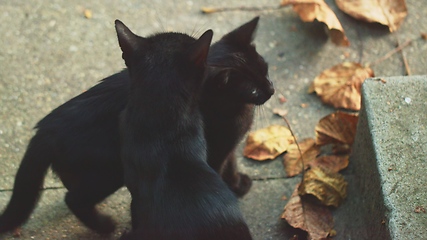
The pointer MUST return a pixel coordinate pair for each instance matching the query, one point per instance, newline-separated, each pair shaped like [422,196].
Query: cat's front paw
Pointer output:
[242,184]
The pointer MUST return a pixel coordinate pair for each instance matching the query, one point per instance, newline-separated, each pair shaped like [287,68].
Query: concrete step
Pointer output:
[390,157]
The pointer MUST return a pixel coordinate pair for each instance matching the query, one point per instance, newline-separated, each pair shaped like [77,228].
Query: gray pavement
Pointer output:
[390,157]
[49,53]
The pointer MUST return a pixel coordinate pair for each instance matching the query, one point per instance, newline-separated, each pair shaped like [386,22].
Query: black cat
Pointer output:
[175,194]
[80,138]
[238,80]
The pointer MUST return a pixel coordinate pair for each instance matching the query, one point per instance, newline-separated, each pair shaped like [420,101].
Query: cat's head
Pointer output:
[237,71]
[164,64]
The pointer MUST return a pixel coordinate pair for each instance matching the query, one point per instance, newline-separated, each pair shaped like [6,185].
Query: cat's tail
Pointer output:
[28,181]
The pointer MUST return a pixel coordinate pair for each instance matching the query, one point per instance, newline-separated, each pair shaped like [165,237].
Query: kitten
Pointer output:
[237,82]
[80,139]
[175,194]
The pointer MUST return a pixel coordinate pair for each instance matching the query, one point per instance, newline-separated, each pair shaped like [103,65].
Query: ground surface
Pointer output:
[49,52]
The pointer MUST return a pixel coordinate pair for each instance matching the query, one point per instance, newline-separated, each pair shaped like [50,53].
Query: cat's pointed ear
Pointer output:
[200,49]
[244,34]
[128,41]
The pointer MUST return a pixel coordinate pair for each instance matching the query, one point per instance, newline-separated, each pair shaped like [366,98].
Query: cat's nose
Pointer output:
[270,89]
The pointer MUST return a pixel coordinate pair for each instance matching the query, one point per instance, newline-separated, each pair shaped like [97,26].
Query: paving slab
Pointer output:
[390,157]
[49,52]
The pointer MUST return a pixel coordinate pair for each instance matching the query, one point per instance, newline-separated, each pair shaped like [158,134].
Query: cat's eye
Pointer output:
[254,92]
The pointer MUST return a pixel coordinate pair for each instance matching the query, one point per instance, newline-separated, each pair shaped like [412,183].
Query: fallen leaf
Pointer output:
[282,98]
[332,163]
[280,112]
[87,13]
[310,10]
[267,143]
[208,10]
[336,128]
[386,12]
[340,86]
[424,36]
[292,159]
[341,149]
[315,219]
[329,188]
[311,88]
[420,209]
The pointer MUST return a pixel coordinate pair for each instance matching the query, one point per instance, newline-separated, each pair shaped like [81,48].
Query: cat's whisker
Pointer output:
[195,32]
[264,113]
[260,116]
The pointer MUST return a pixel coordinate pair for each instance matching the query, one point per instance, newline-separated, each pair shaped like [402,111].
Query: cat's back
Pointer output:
[102,102]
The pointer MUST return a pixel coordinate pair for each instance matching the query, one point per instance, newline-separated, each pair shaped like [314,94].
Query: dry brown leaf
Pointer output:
[267,143]
[207,10]
[332,163]
[329,188]
[315,219]
[340,85]
[292,159]
[87,13]
[336,128]
[386,12]
[311,88]
[341,149]
[282,98]
[310,10]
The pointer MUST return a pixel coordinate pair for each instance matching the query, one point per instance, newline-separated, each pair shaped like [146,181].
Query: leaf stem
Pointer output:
[299,149]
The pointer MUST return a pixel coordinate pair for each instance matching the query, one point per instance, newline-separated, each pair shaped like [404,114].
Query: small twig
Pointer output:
[303,170]
[266,178]
[389,54]
[299,149]
[405,62]
[208,10]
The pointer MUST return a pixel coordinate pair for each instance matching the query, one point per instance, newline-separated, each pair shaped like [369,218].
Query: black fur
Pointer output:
[175,194]
[238,80]
[80,139]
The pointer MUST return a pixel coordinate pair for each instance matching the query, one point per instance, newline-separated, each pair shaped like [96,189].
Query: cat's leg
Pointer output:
[94,188]
[133,212]
[239,183]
